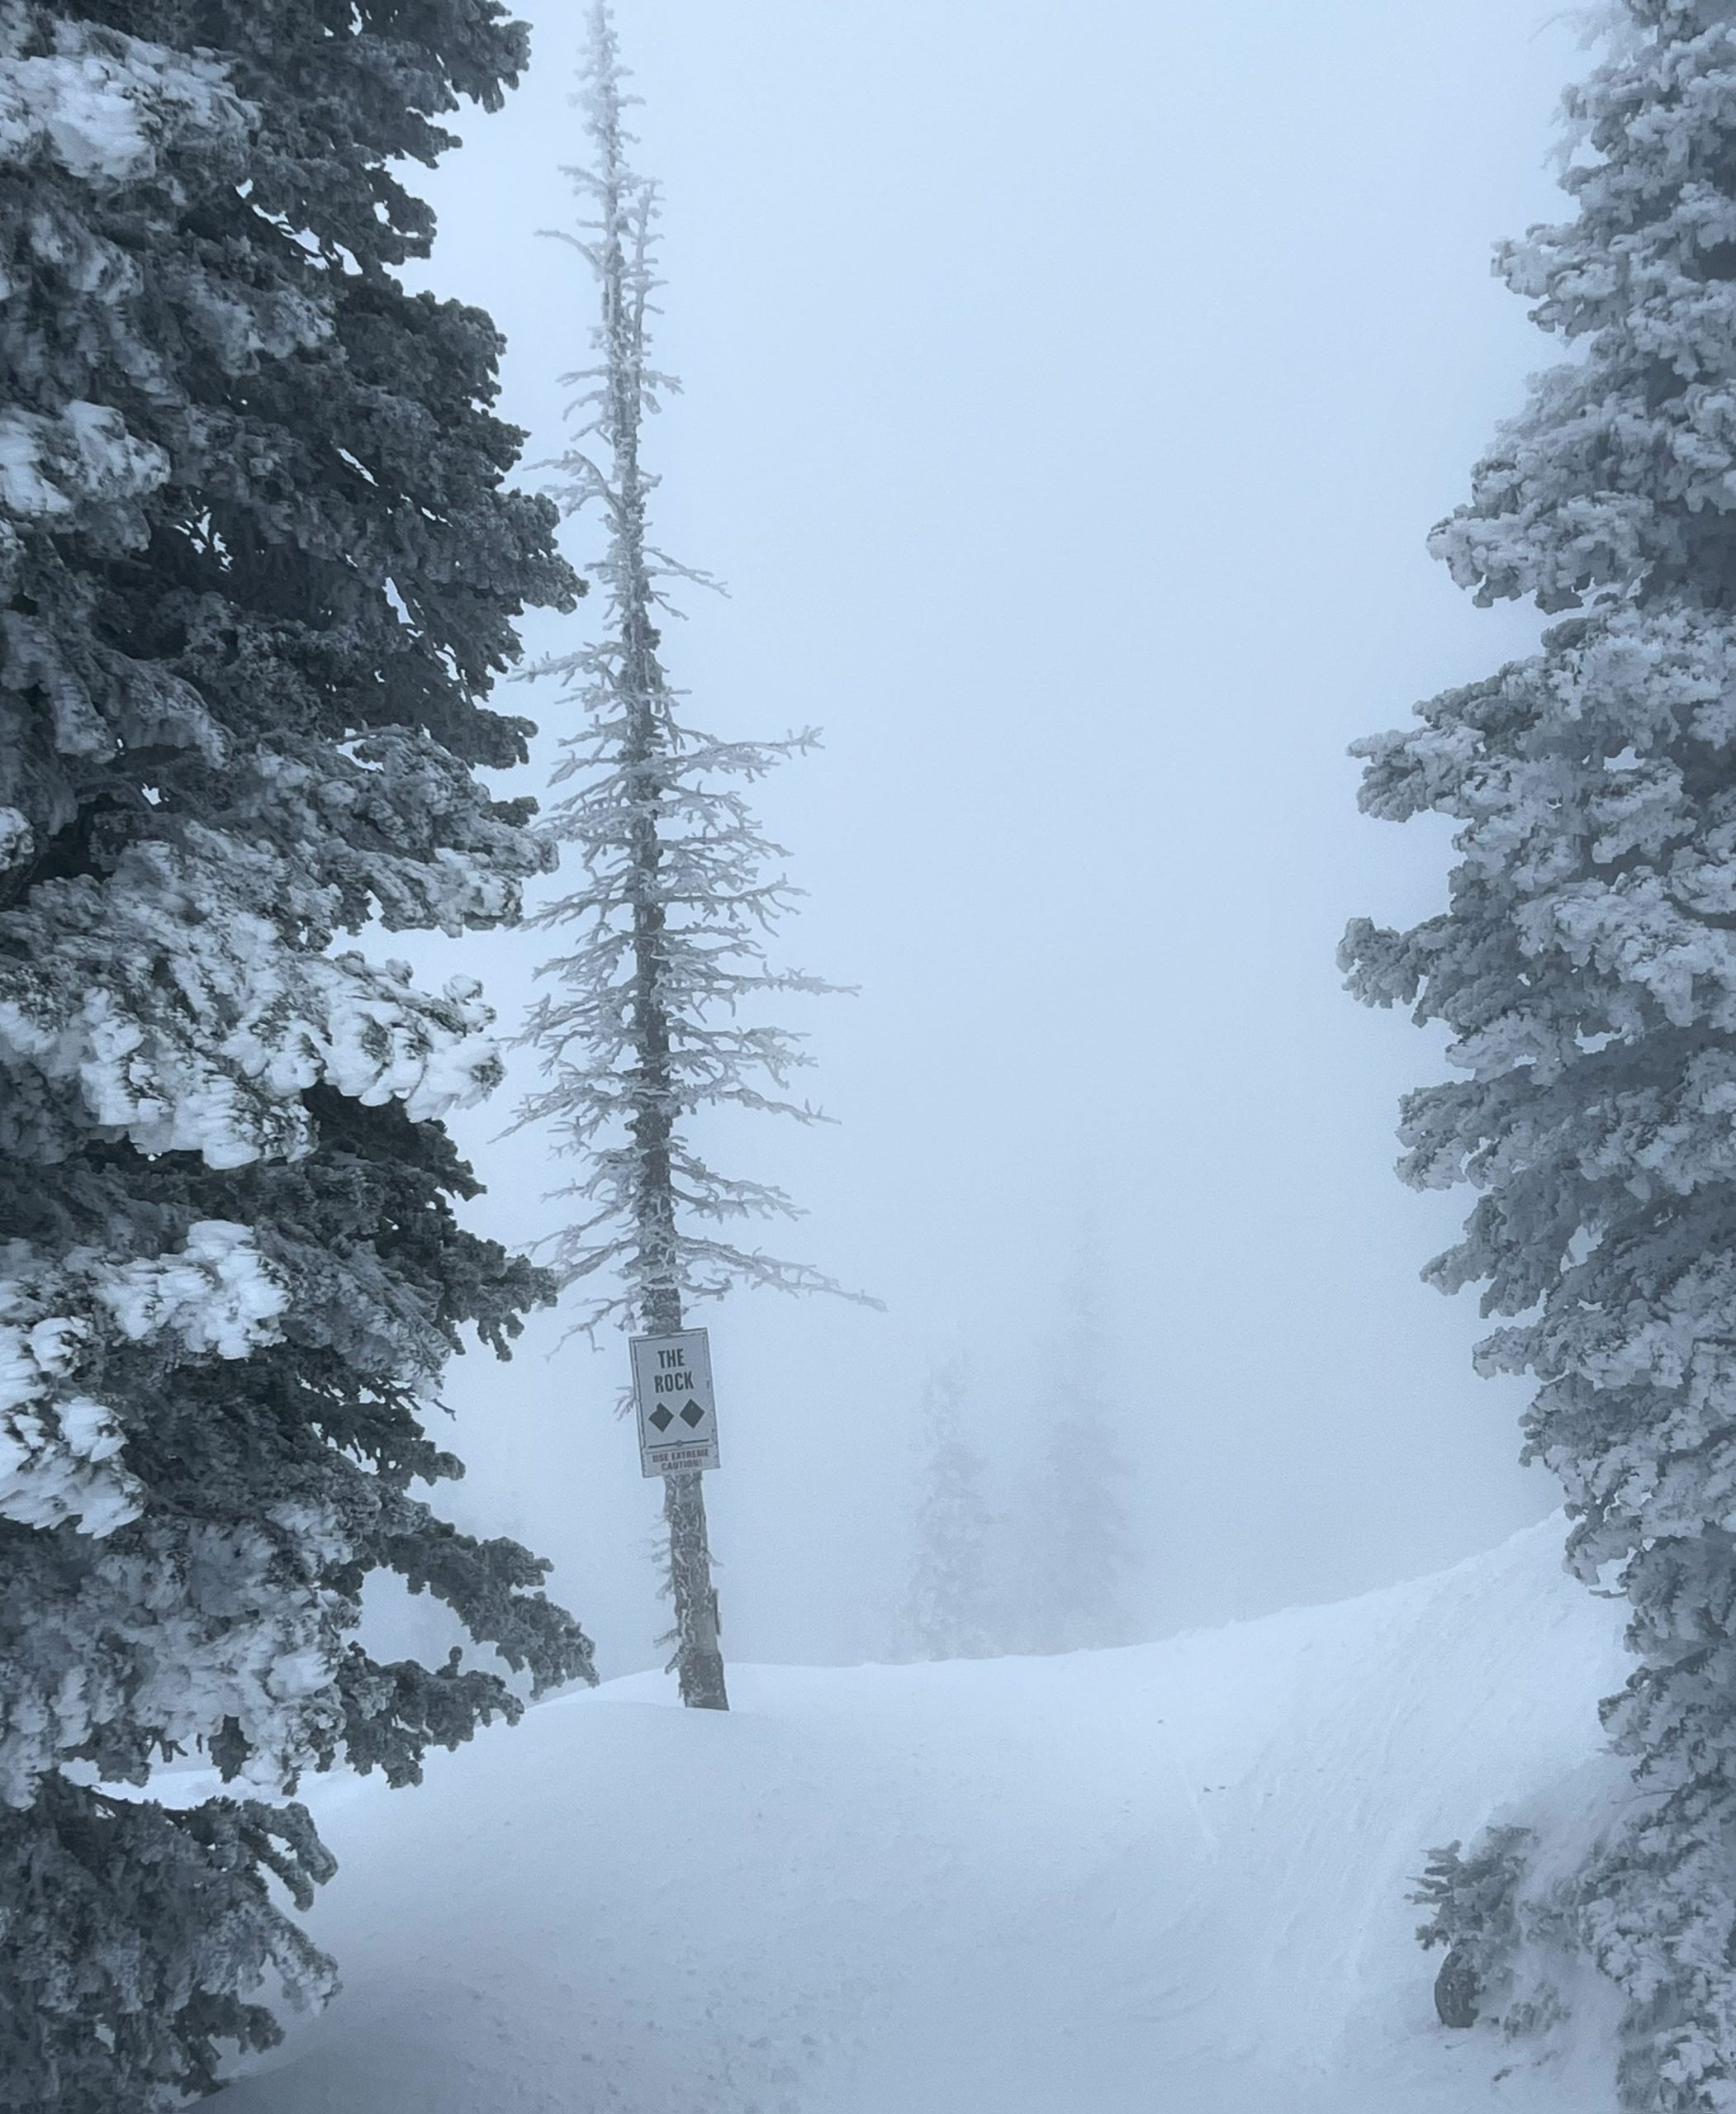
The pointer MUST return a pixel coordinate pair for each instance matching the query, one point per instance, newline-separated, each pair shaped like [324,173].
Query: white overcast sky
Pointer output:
[1070,386]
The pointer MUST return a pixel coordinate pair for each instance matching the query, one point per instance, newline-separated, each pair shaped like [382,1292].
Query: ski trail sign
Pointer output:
[677,1410]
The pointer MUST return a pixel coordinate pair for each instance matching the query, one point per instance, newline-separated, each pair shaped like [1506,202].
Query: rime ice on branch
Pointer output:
[649,1020]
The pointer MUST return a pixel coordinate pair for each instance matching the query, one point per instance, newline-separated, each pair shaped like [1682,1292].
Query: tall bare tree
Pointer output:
[652,1015]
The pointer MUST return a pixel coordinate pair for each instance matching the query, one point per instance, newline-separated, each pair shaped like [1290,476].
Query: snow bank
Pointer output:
[1170,1879]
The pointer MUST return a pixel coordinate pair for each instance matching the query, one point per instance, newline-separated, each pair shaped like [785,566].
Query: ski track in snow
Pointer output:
[1170,1878]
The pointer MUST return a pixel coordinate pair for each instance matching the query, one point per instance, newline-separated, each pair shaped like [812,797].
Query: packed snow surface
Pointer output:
[1170,1878]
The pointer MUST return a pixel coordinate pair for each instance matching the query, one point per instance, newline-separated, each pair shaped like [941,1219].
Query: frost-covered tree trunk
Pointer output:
[650,1020]
[257,574]
[1585,969]
[949,1609]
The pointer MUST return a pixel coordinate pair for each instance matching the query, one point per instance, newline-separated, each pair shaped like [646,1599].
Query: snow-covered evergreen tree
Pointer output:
[1585,969]
[950,1600]
[257,573]
[651,1020]
[1473,1905]
[1074,1561]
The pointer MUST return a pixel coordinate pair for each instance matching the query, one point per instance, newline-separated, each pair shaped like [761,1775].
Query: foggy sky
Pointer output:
[1070,386]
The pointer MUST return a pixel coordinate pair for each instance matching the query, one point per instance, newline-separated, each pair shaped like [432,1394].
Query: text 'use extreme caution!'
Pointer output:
[677,1410]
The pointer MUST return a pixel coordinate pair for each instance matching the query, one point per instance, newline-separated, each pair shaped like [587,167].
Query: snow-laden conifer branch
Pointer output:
[647,1021]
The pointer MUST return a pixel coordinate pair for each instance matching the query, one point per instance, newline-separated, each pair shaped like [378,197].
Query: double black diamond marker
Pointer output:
[693,1416]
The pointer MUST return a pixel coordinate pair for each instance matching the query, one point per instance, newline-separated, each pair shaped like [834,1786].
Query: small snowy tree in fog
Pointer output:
[1585,970]
[652,1018]
[950,1602]
[1074,1562]
[257,572]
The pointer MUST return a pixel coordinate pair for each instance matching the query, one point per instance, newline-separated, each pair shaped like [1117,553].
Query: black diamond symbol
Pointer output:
[661,1418]
[693,1416]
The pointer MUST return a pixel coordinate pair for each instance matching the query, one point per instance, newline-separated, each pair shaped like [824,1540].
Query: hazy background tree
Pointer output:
[952,1607]
[1072,1566]
[651,1020]
[258,572]
[1585,973]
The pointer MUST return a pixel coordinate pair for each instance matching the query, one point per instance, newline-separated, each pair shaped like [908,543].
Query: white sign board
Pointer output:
[677,1410]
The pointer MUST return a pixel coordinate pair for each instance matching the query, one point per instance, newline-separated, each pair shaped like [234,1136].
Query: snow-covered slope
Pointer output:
[1170,1879]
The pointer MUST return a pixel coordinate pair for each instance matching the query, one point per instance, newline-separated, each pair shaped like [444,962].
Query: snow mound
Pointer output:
[1170,1878]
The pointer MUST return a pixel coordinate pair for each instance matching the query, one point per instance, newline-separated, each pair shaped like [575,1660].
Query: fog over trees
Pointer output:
[1014,903]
